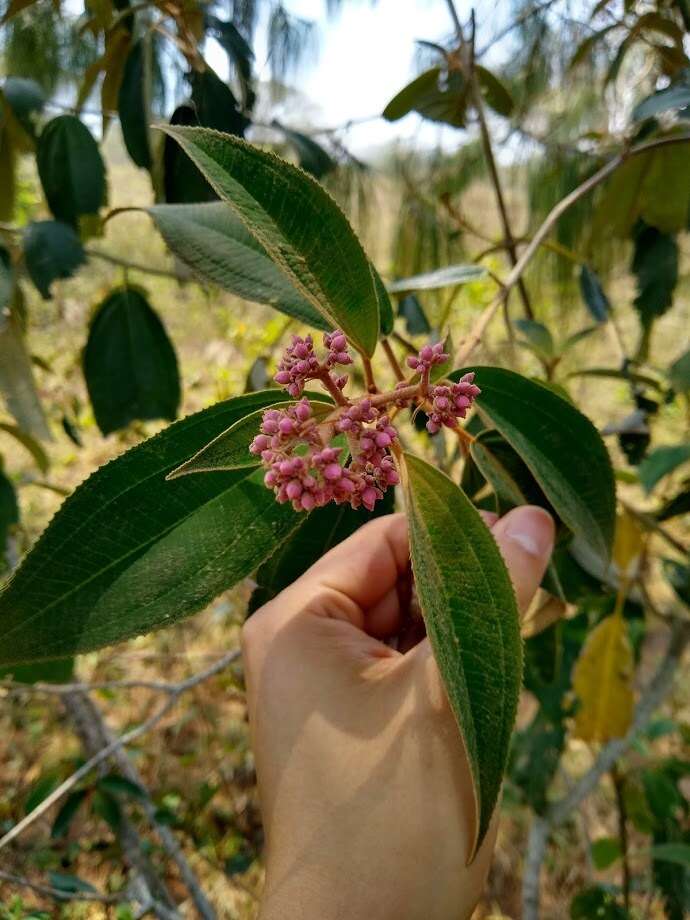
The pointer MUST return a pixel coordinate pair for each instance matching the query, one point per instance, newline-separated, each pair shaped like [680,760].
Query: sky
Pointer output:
[366,54]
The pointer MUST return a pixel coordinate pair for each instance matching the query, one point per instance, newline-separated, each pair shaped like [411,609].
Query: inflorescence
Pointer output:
[303,464]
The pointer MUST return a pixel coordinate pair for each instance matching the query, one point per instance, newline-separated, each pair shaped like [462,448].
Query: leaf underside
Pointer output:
[472,621]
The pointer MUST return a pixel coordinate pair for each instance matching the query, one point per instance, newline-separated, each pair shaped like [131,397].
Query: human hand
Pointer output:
[364,783]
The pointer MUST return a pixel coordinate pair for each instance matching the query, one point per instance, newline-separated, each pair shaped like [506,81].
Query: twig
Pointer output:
[114,745]
[135,266]
[487,148]
[88,725]
[166,836]
[392,360]
[47,892]
[558,812]
[88,686]
[469,343]
[618,781]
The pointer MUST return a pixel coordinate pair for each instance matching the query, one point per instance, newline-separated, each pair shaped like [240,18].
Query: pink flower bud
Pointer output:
[332,472]
[293,489]
[282,377]
[369,496]
[286,426]
[307,501]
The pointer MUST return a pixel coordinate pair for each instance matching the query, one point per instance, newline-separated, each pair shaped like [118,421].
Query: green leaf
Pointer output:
[132,107]
[17,385]
[9,513]
[182,181]
[672,852]
[230,450]
[70,168]
[561,447]
[215,105]
[298,224]
[26,99]
[660,462]
[577,337]
[472,621]
[120,785]
[505,471]
[185,541]
[596,902]
[323,529]
[67,813]
[655,264]
[615,373]
[676,96]
[108,808]
[57,671]
[413,313]
[443,277]
[129,362]
[435,95]
[218,248]
[69,883]
[386,318]
[605,852]
[31,444]
[52,250]
[679,373]
[495,92]
[312,157]
[639,188]
[539,339]
[594,295]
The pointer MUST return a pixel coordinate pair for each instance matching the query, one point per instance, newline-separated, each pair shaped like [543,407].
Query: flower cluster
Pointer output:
[303,464]
[449,403]
[427,358]
[304,470]
[300,363]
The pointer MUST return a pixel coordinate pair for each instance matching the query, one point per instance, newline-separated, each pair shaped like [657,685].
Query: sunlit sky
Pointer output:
[366,53]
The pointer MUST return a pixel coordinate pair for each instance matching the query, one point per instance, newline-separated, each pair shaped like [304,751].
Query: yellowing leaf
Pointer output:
[602,681]
[628,544]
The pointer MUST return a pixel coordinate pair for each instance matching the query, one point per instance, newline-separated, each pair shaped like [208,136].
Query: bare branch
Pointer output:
[117,743]
[470,342]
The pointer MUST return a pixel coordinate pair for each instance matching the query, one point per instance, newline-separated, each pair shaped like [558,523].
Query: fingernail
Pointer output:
[532,528]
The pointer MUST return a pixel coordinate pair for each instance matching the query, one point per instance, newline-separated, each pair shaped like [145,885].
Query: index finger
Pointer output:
[368,564]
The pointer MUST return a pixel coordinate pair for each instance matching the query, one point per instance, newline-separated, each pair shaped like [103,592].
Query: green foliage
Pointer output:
[129,363]
[593,295]
[560,446]
[443,277]
[660,462]
[71,169]
[316,248]
[122,577]
[217,246]
[230,449]
[52,250]
[436,95]
[472,623]
[132,107]
[655,265]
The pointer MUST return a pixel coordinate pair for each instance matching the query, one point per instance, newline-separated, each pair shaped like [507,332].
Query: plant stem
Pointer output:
[369,375]
[329,384]
[618,781]
[469,343]
[392,360]
[488,151]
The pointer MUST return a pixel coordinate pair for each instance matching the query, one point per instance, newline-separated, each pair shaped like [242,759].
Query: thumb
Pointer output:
[525,537]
